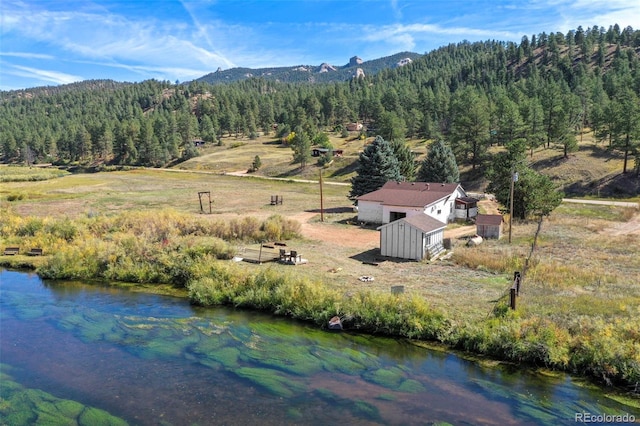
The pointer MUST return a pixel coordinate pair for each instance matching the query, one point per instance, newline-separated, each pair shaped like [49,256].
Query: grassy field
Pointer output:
[580,300]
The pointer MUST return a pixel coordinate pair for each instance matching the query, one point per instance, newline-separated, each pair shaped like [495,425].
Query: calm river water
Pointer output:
[84,354]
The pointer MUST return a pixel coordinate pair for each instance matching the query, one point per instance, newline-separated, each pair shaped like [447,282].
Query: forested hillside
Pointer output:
[543,91]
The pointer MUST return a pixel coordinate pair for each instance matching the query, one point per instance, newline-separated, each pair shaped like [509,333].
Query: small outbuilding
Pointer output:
[415,238]
[489,225]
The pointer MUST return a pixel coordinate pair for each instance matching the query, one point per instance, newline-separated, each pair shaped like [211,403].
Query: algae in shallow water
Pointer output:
[208,344]
[334,361]
[534,408]
[294,359]
[366,410]
[358,408]
[411,386]
[271,380]
[228,356]
[624,400]
[22,406]
[389,378]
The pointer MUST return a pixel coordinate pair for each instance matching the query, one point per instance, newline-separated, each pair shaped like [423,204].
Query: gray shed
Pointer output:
[414,237]
[489,225]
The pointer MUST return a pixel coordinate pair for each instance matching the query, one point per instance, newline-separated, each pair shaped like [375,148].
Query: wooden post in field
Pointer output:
[208,194]
[321,201]
[512,298]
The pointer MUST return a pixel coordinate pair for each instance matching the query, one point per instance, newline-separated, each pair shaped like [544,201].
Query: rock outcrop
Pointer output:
[355,61]
[326,68]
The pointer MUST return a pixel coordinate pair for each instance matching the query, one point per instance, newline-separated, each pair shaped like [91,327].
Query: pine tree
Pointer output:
[439,165]
[301,146]
[406,159]
[377,165]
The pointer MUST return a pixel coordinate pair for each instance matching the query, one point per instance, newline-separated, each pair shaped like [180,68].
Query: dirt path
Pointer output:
[631,227]
[336,235]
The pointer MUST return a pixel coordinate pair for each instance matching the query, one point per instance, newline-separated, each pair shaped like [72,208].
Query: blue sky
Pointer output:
[51,42]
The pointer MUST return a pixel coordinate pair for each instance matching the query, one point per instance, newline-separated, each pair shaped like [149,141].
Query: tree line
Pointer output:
[542,91]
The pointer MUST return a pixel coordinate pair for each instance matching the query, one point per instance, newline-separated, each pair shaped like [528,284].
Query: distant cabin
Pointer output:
[317,152]
[489,225]
[354,127]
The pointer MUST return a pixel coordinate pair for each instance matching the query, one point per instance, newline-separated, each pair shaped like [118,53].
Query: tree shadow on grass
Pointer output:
[346,169]
[614,185]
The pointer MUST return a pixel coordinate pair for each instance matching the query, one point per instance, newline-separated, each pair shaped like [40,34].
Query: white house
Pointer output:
[396,200]
[414,237]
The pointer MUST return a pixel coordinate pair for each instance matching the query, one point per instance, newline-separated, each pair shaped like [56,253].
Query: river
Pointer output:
[72,353]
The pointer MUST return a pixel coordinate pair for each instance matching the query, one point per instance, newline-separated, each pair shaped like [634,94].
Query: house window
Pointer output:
[439,211]
[393,216]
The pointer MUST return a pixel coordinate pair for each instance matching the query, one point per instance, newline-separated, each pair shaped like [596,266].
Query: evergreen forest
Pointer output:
[544,91]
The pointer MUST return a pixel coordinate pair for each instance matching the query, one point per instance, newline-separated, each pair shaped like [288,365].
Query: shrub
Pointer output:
[64,229]
[30,227]
[276,228]
[15,197]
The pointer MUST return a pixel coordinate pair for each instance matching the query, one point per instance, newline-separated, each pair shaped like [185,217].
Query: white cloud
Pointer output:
[42,75]
[112,37]
[27,55]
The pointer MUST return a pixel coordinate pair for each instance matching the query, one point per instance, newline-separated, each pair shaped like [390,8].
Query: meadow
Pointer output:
[578,310]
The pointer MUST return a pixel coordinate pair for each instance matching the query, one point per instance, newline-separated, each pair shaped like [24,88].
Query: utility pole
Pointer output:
[514,179]
[321,202]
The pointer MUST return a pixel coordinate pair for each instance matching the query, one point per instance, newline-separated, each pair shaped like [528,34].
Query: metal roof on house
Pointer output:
[411,194]
[489,219]
[423,222]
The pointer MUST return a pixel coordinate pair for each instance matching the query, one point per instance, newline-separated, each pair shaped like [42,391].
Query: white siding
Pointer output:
[370,211]
[399,239]
[386,212]
[441,211]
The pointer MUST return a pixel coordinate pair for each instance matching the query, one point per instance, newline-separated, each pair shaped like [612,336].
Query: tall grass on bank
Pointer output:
[142,247]
[300,298]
